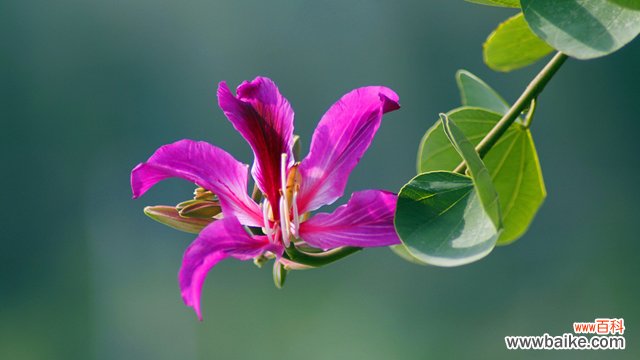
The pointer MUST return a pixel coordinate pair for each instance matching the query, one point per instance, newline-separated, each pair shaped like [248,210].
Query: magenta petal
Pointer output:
[207,166]
[341,138]
[365,221]
[223,238]
[265,119]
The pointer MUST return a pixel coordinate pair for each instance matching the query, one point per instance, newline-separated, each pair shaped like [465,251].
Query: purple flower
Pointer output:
[291,190]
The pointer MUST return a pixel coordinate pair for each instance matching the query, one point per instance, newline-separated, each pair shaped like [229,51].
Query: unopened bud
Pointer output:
[260,260]
[296,147]
[199,209]
[203,194]
[279,274]
[168,215]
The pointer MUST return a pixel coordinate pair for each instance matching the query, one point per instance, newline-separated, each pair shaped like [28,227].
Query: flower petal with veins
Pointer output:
[265,119]
[365,221]
[223,238]
[340,140]
[205,165]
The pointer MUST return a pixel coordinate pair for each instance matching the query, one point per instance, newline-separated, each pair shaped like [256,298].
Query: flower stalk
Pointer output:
[318,259]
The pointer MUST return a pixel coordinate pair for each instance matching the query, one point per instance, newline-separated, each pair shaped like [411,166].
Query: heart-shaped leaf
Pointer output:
[441,221]
[476,93]
[512,162]
[513,45]
[502,3]
[449,219]
[583,29]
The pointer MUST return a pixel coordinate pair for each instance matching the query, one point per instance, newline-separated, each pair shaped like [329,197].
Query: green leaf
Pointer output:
[583,29]
[512,162]
[513,45]
[502,3]
[631,4]
[449,219]
[402,251]
[441,221]
[476,168]
[475,92]
[168,215]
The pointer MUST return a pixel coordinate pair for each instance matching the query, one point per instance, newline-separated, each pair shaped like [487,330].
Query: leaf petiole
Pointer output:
[530,113]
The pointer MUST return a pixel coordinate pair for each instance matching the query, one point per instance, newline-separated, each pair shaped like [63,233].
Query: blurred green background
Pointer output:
[91,88]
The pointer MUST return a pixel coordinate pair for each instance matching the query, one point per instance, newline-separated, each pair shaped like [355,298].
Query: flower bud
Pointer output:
[279,274]
[202,209]
[296,147]
[168,215]
[203,194]
[260,260]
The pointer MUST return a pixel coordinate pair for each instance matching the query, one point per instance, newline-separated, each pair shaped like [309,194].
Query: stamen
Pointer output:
[283,174]
[265,217]
[296,216]
[284,222]
[284,206]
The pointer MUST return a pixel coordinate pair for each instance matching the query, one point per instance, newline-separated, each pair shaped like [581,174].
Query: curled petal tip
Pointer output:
[194,305]
[223,90]
[136,185]
[249,89]
[389,104]
[390,100]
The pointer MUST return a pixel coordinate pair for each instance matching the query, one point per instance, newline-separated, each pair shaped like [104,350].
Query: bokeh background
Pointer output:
[91,88]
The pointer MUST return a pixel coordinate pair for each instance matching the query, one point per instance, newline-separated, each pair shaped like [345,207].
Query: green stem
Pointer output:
[531,92]
[319,259]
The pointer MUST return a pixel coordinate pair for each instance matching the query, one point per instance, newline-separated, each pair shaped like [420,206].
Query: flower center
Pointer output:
[289,201]
[288,225]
